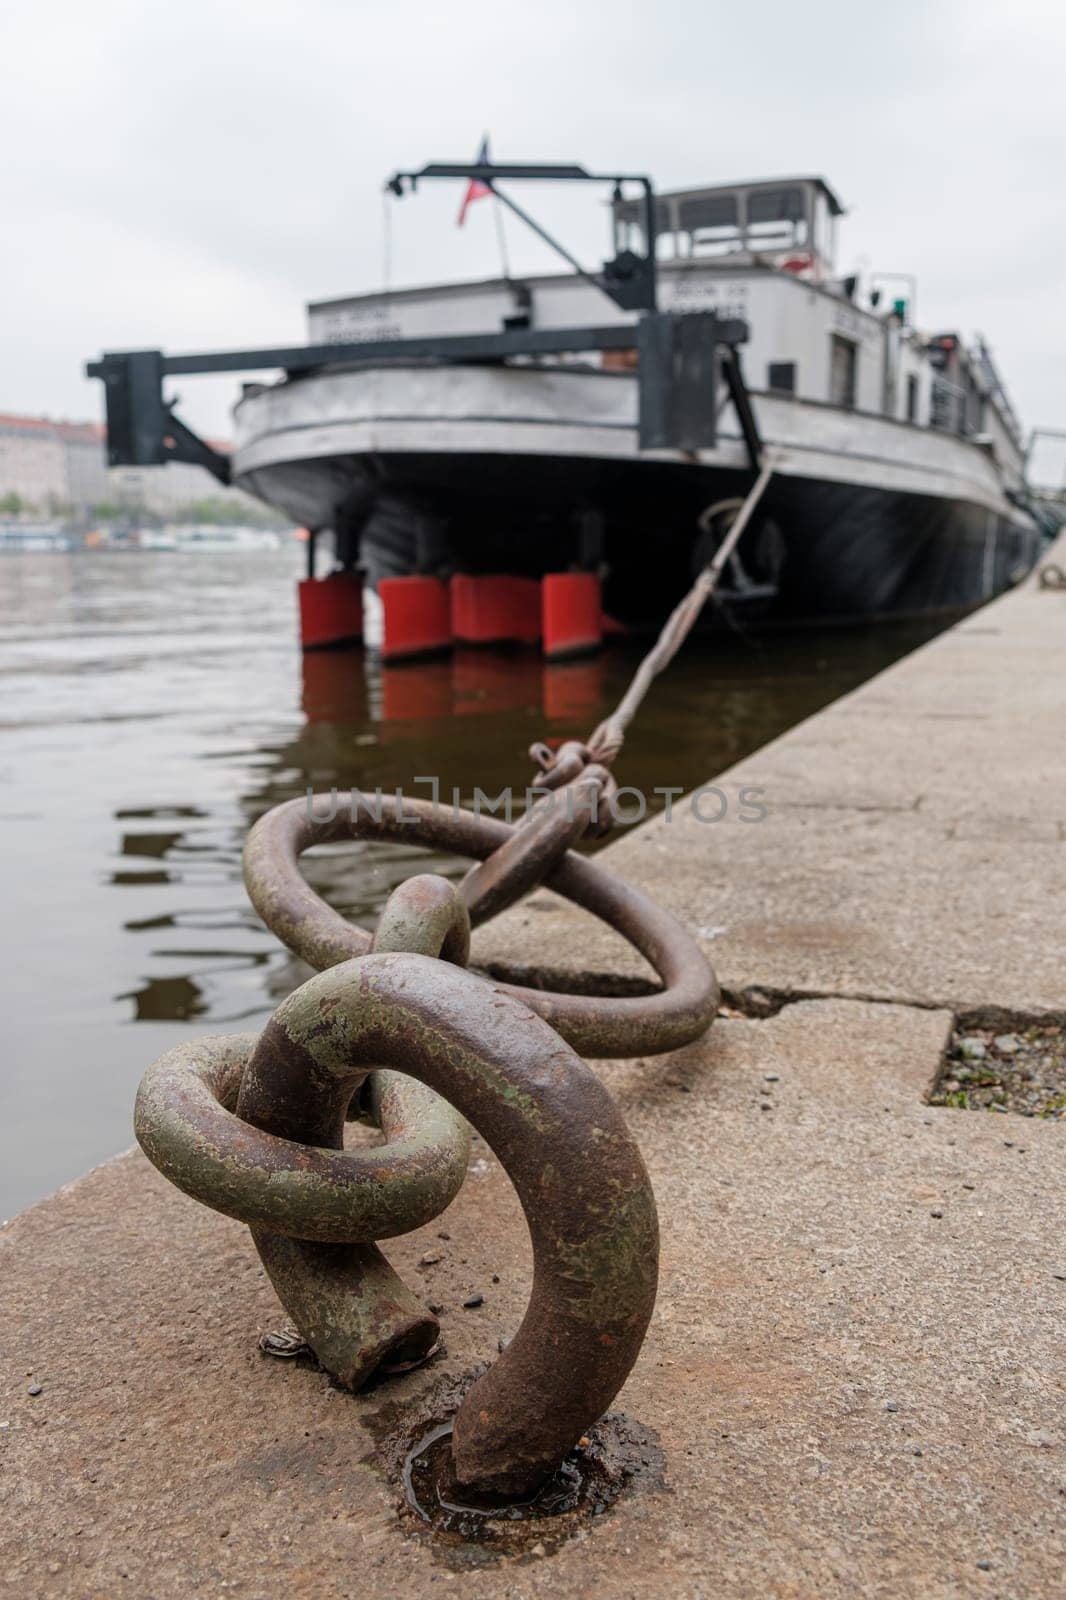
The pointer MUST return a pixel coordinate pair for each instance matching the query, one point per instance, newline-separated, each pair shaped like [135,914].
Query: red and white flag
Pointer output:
[475,189]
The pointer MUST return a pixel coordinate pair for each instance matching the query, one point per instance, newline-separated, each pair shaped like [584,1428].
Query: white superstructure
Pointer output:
[764,252]
[898,466]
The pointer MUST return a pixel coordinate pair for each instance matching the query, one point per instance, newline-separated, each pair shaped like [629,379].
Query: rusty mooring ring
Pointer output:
[551,1122]
[187,1123]
[595,1025]
[314,1209]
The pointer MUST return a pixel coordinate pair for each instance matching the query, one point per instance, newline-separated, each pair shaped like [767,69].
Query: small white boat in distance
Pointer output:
[190,538]
[34,537]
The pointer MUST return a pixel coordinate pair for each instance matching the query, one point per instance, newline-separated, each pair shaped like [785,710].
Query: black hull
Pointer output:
[815,550]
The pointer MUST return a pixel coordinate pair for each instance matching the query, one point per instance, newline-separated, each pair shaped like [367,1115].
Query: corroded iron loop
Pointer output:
[185,1119]
[553,1125]
[256,1129]
[315,1209]
[557,1132]
[595,1025]
[539,842]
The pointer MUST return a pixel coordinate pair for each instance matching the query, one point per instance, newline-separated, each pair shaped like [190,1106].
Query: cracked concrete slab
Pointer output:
[854,1366]
[913,847]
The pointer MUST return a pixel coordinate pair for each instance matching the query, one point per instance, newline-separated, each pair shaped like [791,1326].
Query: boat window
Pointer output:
[781,377]
[712,222]
[777,216]
[912,397]
[843,362]
[775,205]
[764,218]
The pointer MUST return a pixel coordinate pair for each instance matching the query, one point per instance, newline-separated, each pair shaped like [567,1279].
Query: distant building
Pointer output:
[33,462]
[87,476]
[57,467]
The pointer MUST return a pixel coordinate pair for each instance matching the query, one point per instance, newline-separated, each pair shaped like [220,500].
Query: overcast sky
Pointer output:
[188,175]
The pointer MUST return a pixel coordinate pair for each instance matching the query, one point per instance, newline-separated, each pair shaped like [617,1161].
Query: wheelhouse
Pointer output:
[788,223]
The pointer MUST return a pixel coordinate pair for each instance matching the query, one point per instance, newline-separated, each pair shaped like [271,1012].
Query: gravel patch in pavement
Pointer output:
[995,1069]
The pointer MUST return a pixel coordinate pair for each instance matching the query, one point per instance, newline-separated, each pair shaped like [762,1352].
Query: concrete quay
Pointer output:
[855,1366]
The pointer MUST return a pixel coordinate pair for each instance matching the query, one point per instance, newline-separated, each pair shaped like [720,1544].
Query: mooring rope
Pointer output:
[608,738]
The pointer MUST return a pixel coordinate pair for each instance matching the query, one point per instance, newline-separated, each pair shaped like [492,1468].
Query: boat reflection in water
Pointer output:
[348,686]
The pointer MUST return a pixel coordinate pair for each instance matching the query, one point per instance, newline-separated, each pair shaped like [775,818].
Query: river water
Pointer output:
[154,705]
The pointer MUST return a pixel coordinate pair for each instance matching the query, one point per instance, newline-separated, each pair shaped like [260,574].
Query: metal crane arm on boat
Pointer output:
[629,280]
[682,355]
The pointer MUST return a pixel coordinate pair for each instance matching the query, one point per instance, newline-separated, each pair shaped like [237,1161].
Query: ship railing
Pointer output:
[949,409]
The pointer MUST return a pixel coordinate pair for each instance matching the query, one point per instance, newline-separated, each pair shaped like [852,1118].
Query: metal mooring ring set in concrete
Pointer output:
[395,1024]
